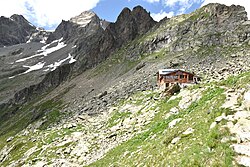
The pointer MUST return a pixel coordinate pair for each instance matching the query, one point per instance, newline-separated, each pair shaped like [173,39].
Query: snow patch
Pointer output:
[27,58]
[46,70]
[46,51]
[60,62]
[31,24]
[53,49]
[30,39]
[72,60]
[83,19]
[12,77]
[74,46]
[44,40]
[50,31]
[35,67]
[55,41]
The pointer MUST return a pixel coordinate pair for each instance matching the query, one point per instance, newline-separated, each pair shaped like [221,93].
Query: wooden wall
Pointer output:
[177,76]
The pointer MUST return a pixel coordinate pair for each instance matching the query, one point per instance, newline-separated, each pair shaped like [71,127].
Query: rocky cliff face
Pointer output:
[212,25]
[96,39]
[14,30]
[130,24]
[98,46]
[50,81]
[81,25]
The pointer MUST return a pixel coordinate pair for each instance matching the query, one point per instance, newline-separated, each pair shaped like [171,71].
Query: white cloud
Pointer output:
[181,6]
[244,3]
[152,1]
[46,13]
[161,15]
[149,1]
[9,7]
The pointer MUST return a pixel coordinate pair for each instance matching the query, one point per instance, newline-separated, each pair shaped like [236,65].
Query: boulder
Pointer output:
[243,149]
[174,110]
[174,122]
[243,160]
[10,139]
[139,66]
[175,140]
[173,89]
[102,94]
[213,125]
[246,101]
[188,131]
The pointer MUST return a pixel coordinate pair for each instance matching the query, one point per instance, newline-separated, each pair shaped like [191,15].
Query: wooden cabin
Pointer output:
[167,77]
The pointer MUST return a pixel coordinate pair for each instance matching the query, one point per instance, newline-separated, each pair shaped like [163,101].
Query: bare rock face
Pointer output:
[227,15]
[14,30]
[125,27]
[96,39]
[130,24]
[76,26]
[143,19]
[51,80]
[212,25]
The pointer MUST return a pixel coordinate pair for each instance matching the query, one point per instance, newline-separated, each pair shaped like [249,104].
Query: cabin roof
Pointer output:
[168,71]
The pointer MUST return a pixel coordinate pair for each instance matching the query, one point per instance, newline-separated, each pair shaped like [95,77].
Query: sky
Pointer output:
[49,13]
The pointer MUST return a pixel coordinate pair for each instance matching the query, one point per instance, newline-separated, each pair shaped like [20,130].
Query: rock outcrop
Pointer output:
[50,81]
[96,39]
[130,24]
[77,26]
[15,30]
[209,26]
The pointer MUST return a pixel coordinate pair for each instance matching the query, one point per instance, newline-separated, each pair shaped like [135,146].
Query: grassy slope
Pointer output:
[19,120]
[202,148]
[153,146]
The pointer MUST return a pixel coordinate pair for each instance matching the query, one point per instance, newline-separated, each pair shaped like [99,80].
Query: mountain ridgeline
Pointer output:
[92,42]
[86,93]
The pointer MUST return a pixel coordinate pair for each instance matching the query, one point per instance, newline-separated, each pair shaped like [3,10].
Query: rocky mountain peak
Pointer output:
[70,29]
[235,13]
[143,19]
[15,30]
[130,24]
[139,11]
[84,18]
[125,14]
[20,20]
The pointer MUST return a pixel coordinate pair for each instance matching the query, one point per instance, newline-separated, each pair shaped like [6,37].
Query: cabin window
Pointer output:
[171,77]
[190,77]
[181,76]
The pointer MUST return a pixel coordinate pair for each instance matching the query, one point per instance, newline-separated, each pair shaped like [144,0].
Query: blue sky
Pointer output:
[110,9]
[49,13]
